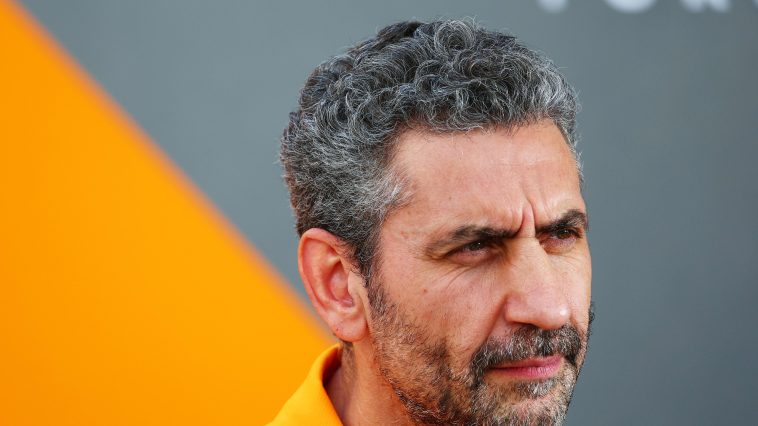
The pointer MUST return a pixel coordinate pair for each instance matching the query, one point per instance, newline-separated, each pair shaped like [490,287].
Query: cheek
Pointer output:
[456,304]
[466,306]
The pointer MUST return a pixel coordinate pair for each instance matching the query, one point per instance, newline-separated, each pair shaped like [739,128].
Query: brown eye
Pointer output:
[560,240]
[564,234]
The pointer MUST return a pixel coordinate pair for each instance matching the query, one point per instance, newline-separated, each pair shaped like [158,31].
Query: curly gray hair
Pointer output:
[444,76]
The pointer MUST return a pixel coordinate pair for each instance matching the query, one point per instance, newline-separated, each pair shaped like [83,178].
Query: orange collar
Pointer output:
[310,403]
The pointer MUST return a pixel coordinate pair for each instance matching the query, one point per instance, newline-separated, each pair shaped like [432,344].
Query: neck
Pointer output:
[361,395]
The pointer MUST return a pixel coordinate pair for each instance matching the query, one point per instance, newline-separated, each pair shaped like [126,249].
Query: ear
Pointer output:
[331,284]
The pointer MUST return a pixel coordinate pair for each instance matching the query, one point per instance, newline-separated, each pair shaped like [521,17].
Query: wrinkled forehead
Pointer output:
[493,178]
[531,157]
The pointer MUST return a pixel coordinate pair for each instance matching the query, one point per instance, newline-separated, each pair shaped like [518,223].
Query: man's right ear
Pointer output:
[331,284]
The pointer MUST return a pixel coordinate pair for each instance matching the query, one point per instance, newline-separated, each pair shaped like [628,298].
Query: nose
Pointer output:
[536,293]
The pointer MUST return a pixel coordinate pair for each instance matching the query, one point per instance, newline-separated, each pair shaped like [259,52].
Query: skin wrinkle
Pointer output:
[437,249]
[451,289]
[355,102]
[448,83]
[524,343]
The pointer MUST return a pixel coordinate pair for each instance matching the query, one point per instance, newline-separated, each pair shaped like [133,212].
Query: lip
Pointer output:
[532,368]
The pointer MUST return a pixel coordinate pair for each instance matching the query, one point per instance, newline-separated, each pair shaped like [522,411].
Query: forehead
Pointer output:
[488,175]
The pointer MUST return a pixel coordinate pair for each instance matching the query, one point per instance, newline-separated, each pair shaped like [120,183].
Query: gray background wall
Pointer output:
[669,121]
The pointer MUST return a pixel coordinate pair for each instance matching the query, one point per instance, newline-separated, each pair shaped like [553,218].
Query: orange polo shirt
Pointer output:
[310,404]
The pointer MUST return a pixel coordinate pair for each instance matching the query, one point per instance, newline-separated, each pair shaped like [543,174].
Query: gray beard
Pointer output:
[418,370]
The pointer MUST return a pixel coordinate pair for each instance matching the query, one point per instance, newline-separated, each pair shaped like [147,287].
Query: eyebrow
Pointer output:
[573,218]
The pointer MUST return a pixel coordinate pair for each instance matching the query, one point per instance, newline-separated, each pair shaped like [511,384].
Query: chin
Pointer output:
[532,402]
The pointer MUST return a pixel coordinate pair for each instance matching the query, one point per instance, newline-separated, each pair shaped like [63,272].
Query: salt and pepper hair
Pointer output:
[443,76]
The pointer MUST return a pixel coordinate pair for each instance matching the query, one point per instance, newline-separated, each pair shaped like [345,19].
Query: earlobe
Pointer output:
[328,278]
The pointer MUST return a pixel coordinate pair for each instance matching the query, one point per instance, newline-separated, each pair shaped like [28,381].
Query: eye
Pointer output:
[561,240]
[474,252]
[475,246]
[564,234]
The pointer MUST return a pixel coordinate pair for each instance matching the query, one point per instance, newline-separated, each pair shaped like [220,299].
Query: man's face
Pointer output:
[480,299]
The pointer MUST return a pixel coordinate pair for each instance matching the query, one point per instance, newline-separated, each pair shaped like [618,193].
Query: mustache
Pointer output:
[527,342]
